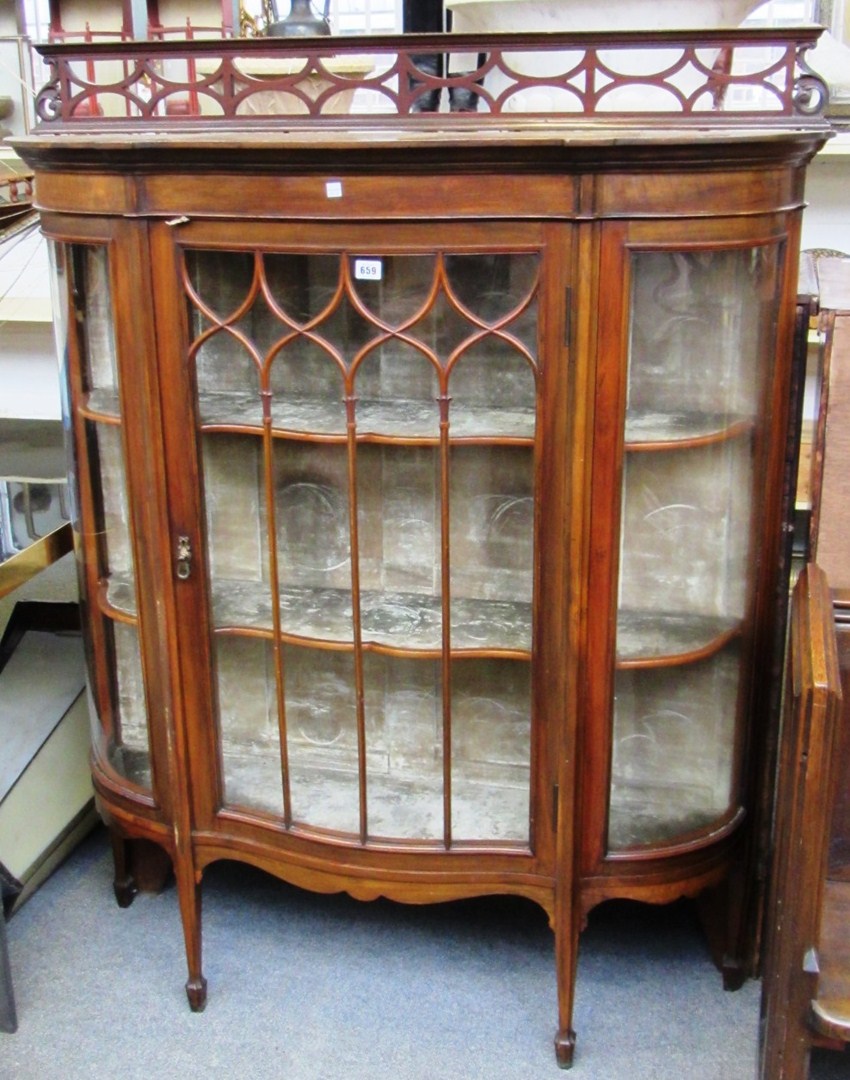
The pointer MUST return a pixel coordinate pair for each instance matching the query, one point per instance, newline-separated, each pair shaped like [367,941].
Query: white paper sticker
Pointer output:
[368,269]
[333,189]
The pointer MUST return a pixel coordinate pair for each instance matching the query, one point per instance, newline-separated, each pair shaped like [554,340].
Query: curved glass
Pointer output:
[120,715]
[493,391]
[393,289]
[701,339]
[307,390]
[397,388]
[366,428]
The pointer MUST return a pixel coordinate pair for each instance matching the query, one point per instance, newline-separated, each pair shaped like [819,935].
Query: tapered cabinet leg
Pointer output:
[566,954]
[189,892]
[565,1044]
[150,866]
[196,992]
[124,884]
[723,912]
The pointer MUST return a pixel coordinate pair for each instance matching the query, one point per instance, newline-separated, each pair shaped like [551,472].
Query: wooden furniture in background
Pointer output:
[433,477]
[830,523]
[806,975]
[831,1007]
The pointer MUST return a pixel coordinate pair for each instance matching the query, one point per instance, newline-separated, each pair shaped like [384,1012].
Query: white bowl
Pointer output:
[484,16]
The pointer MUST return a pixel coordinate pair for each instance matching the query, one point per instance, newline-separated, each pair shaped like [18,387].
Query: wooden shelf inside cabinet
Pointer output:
[375,420]
[661,639]
[118,598]
[647,430]
[102,406]
[396,622]
[254,783]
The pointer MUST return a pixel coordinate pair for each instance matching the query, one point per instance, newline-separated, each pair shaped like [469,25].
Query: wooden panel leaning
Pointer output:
[830,481]
[806,975]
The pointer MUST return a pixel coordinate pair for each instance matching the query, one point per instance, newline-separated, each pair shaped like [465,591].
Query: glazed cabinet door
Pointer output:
[360,417]
[687,489]
[100,268]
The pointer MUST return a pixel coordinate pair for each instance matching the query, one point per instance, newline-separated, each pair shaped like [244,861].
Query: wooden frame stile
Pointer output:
[608,396]
[185,504]
[182,546]
[579,334]
[146,468]
[168,536]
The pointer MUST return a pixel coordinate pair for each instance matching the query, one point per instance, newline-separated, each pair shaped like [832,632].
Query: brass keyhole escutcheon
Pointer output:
[184,557]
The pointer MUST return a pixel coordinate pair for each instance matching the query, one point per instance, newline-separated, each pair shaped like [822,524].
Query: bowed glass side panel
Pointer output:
[701,343]
[367,431]
[101,516]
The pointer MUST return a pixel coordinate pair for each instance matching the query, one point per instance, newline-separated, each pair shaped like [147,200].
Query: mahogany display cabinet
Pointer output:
[432,466]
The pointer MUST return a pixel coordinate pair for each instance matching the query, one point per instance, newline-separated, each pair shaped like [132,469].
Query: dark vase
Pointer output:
[300,22]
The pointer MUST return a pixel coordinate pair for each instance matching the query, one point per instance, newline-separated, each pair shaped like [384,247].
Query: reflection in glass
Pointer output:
[356,485]
[222,281]
[302,286]
[701,334]
[492,530]
[397,387]
[674,737]
[405,749]
[248,725]
[394,288]
[93,301]
[225,366]
[687,524]
[491,286]
[130,749]
[61,276]
[308,393]
[399,520]
[493,391]
[120,721]
[228,381]
[399,537]
[295,324]
[491,749]
[699,321]
[321,724]
[312,514]
[113,510]
[237,546]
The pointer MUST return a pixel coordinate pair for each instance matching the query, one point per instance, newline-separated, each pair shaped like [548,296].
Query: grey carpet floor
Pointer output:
[305,987]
